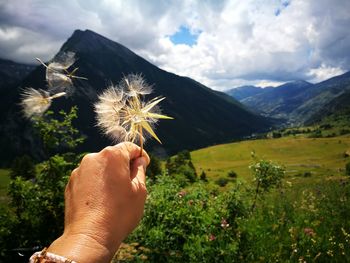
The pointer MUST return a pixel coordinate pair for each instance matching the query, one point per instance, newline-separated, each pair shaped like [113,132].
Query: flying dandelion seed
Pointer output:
[123,115]
[58,77]
[36,102]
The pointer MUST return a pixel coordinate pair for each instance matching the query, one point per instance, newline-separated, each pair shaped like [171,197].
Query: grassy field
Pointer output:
[320,156]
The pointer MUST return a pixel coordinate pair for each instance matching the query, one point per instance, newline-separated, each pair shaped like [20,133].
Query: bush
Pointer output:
[203,176]
[181,165]
[347,168]
[189,225]
[221,182]
[307,174]
[36,213]
[23,166]
[232,174]
[154,168]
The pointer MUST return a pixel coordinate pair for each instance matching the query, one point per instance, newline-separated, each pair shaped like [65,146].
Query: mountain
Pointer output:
[278,102]
[244,92]
[335,110]
[11,73]
[297,102]
[319,96]
[202,116]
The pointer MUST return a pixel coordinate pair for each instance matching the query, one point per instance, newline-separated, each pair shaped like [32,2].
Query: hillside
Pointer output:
[243,92]
[278,102]
[11,73]
[202,116]
[321,156]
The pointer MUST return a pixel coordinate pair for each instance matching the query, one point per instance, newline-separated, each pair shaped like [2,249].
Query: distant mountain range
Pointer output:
[295,102]
[240,93]
[202,116]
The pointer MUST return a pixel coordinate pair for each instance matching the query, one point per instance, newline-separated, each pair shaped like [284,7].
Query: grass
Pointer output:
[320,156]
[4,182]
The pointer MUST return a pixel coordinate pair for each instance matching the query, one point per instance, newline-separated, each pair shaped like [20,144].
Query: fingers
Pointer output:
[138,170]
[133,151]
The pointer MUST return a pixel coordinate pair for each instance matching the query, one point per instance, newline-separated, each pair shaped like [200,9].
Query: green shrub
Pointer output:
[232,174]
[189,225]
[347,168]
[36,213]
[23,166]
[221,181]
[203,177]
[154,168]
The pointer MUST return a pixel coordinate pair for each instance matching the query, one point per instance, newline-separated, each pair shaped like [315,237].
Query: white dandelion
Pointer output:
[36,102]
[58,76]
[123,115]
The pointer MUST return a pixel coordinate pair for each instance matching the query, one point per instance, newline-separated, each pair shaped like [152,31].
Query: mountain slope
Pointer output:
[297,102]
[319,95]
[202,117]
[337,109]
[243,92]
[278,102]
[11,73]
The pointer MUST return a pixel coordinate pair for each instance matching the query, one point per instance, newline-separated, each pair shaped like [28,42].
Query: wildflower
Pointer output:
[123,115]
[212,237]
[224,223]
[309,232]
[182,193]
[36,102]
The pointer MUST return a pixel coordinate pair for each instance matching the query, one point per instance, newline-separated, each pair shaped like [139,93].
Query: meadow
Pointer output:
[189,218]
[322,157]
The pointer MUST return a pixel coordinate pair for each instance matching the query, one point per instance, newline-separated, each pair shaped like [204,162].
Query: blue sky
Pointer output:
[184,36]
[236,42]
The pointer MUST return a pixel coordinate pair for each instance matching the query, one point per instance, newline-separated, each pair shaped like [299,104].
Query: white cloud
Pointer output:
[239,42]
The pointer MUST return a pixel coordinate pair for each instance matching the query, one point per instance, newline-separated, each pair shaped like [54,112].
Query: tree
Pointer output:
[266,175]
[203,176]
[36,212]
[154,168]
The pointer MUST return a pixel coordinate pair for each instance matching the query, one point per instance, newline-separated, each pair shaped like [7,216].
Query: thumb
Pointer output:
[138,169]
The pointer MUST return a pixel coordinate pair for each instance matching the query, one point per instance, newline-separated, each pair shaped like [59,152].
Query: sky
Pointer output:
[220,43]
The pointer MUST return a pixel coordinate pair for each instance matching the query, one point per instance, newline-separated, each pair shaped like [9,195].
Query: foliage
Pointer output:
[191,225]
[182,168]
[221,181]
[310,228]
[203,177]
[58,134]
[232,174]
[23,166]
[347,168]
[36,212]
[154,168]
[266,175]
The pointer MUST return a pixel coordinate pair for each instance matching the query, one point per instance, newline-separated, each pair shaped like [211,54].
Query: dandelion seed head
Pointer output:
[134,85]
[62,61]
[123,115]
[35,102]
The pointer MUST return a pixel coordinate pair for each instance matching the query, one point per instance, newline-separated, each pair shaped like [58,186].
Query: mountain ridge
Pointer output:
[203,117]
[296,102]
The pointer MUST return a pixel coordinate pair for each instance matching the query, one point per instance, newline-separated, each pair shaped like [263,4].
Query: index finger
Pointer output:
[133,151]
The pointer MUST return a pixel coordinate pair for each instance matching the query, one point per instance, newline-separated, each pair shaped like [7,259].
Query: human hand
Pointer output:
[104,202]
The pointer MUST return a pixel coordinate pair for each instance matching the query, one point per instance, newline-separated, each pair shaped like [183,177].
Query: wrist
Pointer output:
[82,248]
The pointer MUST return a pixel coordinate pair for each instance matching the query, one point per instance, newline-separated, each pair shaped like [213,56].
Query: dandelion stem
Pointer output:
[141,140]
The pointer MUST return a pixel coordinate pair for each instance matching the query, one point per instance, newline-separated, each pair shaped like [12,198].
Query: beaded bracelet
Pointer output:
[47,257]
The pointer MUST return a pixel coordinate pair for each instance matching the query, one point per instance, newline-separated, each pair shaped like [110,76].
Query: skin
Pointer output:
[104,202]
